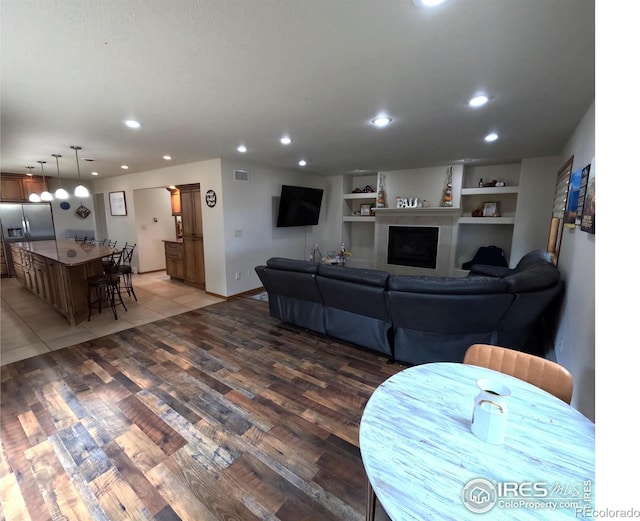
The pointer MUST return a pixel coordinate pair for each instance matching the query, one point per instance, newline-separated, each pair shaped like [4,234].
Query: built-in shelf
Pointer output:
[486,220]
[361,195]
[358,219]
[491,190]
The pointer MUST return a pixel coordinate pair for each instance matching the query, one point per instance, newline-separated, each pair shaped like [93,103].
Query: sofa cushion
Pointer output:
[368,277]
[534,278]
[447,285]
[280,263]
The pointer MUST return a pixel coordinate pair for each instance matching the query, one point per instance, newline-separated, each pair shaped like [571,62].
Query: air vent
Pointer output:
[241,175]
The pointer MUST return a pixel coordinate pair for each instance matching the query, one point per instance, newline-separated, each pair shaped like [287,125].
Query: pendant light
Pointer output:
[61,193]
[80,191]
[45,195]
[33,197]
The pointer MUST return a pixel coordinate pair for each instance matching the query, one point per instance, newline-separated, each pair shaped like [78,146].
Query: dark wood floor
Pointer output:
[219,413]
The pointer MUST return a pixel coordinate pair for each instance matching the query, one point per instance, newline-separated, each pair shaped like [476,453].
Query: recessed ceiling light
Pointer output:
[124,167]
[428,3]
[166,158]
[478,101]
[491,137]
[285,140]
[131,123]
[242,149]
[94,173]
[302,162]
[381,121]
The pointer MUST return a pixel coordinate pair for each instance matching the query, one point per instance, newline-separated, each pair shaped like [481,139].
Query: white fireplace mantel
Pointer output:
[417,212]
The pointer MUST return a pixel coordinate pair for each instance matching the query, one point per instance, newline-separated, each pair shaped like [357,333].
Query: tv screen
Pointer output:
[299,206]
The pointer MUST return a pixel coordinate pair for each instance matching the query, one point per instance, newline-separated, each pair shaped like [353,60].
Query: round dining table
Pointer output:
[423,461]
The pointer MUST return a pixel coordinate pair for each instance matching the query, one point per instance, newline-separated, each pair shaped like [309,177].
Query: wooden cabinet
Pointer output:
[174,257]
[194,260]
[17,187]
[176,207]
[191,207]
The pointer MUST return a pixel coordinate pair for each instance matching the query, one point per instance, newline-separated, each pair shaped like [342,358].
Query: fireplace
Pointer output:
[413,246]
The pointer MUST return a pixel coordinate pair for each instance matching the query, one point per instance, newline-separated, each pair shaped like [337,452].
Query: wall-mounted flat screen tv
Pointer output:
[299,206]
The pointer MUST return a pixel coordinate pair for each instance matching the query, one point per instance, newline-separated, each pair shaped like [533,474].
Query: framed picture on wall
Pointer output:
[117,203]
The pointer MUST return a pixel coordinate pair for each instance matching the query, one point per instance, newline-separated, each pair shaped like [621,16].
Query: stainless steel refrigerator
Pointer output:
[25,222]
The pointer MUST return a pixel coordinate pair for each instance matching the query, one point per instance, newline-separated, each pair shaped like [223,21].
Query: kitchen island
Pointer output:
[57,271]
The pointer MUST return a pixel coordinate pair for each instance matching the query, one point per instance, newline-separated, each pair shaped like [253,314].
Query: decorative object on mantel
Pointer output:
[490,184]
[447,193]
[380,203]
[477,212]
[82,211]
[408,202]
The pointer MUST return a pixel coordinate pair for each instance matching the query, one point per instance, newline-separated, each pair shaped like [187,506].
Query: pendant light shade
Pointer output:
[45,195]
[61,193]
[33,197]
[80,191]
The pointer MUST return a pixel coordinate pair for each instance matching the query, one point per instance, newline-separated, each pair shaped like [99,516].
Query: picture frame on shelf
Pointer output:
[490,209]
[117,203]
[365,209]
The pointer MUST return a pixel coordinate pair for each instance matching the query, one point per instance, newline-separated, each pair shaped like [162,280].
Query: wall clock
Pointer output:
[211,198]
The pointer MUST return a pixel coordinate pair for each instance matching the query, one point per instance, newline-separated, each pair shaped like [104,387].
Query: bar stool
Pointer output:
[106,287]
[125,269]
[106,260]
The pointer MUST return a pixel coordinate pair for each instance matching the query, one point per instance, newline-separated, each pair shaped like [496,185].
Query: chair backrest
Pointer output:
[102,242]
[127,253]
[112,265]
[111,244]
[538,371]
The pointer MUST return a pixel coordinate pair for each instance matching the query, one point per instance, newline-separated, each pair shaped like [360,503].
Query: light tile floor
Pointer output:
[29,326]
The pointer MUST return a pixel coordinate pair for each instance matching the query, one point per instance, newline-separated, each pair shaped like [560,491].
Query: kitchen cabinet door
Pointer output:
[194,261]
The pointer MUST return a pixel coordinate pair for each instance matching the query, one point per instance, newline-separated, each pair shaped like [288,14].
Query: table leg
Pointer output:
[371,502]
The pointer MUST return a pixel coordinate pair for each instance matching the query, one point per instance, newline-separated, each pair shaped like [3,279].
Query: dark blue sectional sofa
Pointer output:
[415,319]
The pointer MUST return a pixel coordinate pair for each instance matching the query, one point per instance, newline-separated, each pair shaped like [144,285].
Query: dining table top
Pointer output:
[423,461]
[66,251]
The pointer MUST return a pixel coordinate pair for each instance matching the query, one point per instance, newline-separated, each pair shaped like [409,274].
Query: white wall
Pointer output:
[535,201]
[424,183]
[155,224]
[575,340]
[250,210]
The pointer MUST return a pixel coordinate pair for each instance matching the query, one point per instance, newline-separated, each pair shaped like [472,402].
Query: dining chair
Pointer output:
[126,270]
[545,374]
[106,287]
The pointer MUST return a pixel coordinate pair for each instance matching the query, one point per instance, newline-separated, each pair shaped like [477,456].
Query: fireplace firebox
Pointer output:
[413,246]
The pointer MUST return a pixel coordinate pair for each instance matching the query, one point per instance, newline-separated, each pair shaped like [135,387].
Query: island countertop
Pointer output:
[66,251]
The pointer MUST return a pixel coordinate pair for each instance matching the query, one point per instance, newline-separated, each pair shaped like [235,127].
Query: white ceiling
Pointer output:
[203,76]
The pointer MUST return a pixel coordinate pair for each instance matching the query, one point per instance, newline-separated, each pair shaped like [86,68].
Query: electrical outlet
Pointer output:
[249,272]
[237,275]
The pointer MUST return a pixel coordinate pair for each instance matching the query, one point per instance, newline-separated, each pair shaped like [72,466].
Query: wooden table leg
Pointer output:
[371,502]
